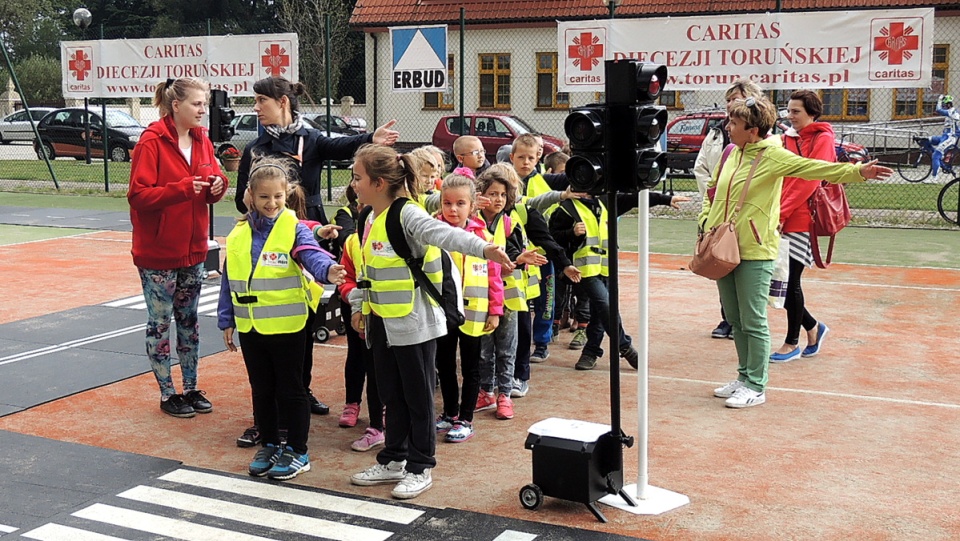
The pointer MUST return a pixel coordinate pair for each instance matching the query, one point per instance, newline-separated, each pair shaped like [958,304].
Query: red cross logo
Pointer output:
[895,43]
[586,51]
[275,59]
[79,64]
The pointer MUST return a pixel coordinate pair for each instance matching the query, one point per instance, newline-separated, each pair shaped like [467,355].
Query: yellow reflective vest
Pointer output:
[391,284]
[476,294]
[591,258]
[272,297]
[514,286]
[531,274]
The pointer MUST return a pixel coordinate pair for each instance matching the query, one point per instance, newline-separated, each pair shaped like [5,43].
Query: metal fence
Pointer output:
[497,74]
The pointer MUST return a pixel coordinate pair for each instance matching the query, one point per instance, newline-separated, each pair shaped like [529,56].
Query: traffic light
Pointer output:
[632,88]
[614,143]
[221,115]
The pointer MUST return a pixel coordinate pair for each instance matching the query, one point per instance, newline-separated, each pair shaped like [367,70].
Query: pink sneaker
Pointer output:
[504,406]
[485,401]
[348,419]
[371,438]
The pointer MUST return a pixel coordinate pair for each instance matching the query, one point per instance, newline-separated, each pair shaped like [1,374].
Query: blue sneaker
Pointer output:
[289,465]
[265,458]
[812,351]
[792,355]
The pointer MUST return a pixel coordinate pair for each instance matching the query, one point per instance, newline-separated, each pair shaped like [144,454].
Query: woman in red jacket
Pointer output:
[810,139]
[173,177]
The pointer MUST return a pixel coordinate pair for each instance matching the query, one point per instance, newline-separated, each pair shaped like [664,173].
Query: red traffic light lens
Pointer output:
[654,88]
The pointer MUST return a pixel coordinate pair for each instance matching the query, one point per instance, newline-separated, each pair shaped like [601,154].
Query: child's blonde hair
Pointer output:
[399,171]
[428,163]
[525,140]
[504,174]
[179,90]
[265,169]
[460,145]
[441,157]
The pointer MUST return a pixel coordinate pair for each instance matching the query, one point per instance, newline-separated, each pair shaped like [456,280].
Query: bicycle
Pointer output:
[918,163]
[948,202]
[854,154]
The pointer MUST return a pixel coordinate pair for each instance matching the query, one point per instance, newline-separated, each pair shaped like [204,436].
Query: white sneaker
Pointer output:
[744,397]
[413,485]
[380,474]
[520,388]
[727,390]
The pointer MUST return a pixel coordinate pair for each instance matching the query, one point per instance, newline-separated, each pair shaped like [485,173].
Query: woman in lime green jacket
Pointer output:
[744,291]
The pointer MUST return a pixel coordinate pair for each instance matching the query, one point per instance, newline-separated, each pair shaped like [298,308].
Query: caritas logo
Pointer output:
[585,50]
[895,49]
[275,58]
[79,69]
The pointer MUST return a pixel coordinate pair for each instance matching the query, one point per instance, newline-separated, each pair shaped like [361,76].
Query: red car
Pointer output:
[686,133]
[493,129]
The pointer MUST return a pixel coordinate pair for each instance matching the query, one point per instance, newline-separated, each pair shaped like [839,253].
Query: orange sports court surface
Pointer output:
[861,442]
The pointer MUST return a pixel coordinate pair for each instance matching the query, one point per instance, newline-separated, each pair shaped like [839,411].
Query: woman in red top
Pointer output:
[173,177]
[810,139]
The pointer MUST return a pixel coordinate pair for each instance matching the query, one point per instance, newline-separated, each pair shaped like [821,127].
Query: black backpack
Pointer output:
[450,298]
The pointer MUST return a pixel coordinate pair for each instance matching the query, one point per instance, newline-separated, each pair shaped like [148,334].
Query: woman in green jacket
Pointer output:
[744,291]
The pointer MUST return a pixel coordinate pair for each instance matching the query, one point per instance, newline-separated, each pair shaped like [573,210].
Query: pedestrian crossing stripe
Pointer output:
[6,529]
[209,298]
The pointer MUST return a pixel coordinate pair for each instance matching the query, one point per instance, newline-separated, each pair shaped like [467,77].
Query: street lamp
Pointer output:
[612,5]
[82,18]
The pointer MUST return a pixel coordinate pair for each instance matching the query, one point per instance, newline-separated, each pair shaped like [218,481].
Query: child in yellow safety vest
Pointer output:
[482,306]
[264,295]
[401,321]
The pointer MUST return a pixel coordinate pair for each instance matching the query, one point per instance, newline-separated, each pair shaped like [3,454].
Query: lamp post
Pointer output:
[82,18]
[612,6]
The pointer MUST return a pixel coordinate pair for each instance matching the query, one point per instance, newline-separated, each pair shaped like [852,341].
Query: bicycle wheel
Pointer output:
[916,165]
[948,202]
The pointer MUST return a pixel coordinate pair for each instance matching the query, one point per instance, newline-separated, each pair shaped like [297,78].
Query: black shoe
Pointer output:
[586,362]
[632,356]
[196,399]
[177,406]
[723,330]
[317,407]
[283,432]
[250,437]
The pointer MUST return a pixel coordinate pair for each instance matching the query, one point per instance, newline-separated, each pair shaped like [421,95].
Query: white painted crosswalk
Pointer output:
[202,506]
[209,295]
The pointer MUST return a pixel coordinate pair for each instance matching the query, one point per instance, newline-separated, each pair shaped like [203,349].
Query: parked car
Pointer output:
[685,134]
[356,123]
[246,128]
[62,134]
[16,126]
[494,130]
[337,123]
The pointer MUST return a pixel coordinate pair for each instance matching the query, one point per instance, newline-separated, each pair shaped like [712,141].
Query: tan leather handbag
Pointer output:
[718,250]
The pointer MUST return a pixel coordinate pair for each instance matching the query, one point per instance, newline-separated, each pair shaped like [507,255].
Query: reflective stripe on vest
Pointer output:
[273,298]
[514,288]
[476,301]
[531,274]
[591,258]
[391,292]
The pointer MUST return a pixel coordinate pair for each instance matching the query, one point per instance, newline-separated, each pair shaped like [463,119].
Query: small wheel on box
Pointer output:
[531,497]
[322,334]
[341,329]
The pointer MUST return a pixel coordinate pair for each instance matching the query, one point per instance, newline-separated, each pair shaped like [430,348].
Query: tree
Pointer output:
[41,79]
[308,19]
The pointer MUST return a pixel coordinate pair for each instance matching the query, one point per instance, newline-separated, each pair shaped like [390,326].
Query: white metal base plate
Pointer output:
[657,501]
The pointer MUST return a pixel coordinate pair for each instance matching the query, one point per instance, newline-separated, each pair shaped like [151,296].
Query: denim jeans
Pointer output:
[543,307]
[498,354]
[176,293]
[594,289]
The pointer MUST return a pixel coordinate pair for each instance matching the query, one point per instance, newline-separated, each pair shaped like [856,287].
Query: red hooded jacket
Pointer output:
[170,221]
[815,141]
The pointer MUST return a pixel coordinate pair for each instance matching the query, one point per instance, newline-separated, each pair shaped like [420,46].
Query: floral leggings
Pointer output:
[173,292]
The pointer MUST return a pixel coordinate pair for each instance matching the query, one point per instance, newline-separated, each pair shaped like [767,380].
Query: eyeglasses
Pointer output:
[477,153]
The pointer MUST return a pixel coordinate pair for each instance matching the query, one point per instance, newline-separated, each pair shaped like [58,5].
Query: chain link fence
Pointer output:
[505,83]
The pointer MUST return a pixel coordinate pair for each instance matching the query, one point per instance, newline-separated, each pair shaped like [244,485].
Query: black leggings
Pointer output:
[797,313]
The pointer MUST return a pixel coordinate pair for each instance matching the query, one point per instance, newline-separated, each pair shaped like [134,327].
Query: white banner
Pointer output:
[821,49]
[132,68]
[419,58]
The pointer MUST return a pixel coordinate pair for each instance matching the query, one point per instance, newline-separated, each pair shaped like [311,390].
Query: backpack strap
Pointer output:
[398,241]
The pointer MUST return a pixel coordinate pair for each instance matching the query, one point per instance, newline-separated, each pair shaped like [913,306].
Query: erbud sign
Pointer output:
[419,58]
[132,68]
[835,49]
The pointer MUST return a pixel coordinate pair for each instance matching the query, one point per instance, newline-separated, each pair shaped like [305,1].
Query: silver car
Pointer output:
[16,126]
[246,129]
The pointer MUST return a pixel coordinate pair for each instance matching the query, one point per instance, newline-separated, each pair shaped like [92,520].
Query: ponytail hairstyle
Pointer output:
[177,89]
[297,200]
[264,169]
[504,174]
[399,171]
[278,87]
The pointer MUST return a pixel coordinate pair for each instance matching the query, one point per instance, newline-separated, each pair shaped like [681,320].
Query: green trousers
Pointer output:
[744,294]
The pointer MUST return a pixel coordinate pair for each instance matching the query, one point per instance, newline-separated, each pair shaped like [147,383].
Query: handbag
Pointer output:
[717,251]
[781,275]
